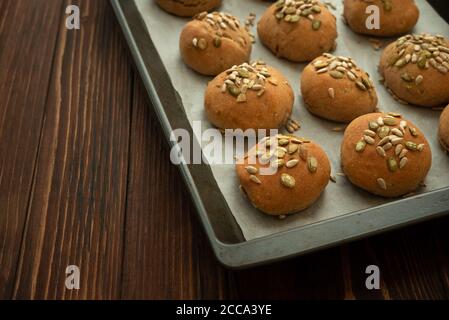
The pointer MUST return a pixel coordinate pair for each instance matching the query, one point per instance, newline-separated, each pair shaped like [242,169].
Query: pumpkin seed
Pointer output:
[411,146]
[316,24]
[392,164]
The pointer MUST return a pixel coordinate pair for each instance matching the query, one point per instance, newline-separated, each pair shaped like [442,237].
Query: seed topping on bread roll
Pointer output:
[289,153]
[220,22]
[388,133]
[292,11]
[240,79]
[424,50]
[341,67]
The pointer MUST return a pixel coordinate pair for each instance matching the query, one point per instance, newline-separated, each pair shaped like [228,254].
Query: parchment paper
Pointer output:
[340,198]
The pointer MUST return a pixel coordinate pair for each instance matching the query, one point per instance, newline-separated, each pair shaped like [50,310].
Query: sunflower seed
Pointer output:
[381,152]
[361,86]
[331,92]
[403,153]
[255,179]
[288,181]
[292,163]
[388,146]
[252,170]
[403,162]
[419,79]
[312,164]
[380,121]
[420,147]
[382,184]
[369,133]
[283,142]
[369,140]
[360,146]
[395,141]
[392,164]
[397,132]
[398,149]
[383,141]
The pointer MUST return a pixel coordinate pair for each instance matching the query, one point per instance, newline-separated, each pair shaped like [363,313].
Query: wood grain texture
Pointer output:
[77,205]
[177,263]
[85,179]
[28,31]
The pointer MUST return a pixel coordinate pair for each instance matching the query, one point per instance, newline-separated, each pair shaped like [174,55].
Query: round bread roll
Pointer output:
[335,88]
[397,17]
[252,96]
[298,30]
[187,8]
[416,70]
[300,171]
[385,155]
[214,42]
[443,133]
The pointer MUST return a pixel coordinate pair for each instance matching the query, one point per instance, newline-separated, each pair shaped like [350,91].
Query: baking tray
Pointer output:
[224,233]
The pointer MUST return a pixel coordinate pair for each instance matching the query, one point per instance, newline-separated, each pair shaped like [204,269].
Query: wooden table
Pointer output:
[85,179]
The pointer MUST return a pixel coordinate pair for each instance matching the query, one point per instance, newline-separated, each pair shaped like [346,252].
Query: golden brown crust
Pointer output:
[269,110]
[336,99]
[397,17]
[210,48]
[187,8]
[272,196]
[298,41]
[443,132]
[365,168]
[401,77]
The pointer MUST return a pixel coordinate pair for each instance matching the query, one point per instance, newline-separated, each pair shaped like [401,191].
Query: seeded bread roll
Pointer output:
[187,8]
[385,155]
[397,17]
[298,30]
[252,96]
[416,70]
[335,88]
[214,42]
[443,133]
[302,174]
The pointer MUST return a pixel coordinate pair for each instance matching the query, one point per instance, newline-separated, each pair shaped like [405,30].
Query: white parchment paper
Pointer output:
[340,198]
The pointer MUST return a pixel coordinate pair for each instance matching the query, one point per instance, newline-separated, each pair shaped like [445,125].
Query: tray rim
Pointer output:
[297,241]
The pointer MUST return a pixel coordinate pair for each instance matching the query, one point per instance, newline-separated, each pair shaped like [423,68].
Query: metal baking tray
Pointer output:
[224,233]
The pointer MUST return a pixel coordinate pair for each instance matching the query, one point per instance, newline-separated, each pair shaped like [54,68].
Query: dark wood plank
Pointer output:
[28,32]
[314,276]
[166,253]
[77,205]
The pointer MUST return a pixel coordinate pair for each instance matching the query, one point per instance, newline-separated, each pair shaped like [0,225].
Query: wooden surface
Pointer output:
[86,180]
